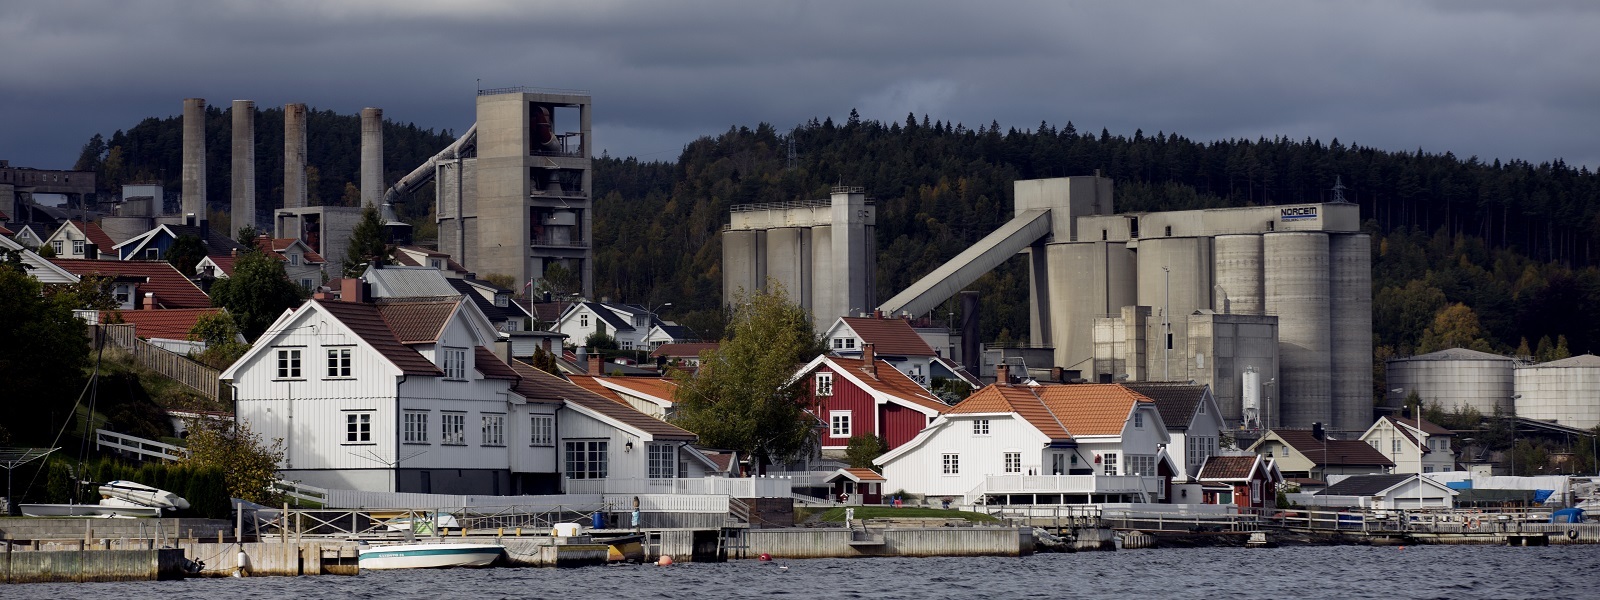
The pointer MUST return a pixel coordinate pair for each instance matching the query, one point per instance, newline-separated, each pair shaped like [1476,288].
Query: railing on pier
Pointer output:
[738,487]
[140,447]
[1442,521]
[298,523]
[1018,484]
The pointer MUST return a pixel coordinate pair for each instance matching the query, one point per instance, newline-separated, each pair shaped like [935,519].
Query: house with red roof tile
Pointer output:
[140,285]
[301,264]
[165,327]
[80,239]
[685,354]
[897,343]
[866,396]
[1243,480]
[649,395]
[1038,444]
[417,395]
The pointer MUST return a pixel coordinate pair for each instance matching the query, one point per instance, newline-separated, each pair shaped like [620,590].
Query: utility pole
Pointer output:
[1166,325]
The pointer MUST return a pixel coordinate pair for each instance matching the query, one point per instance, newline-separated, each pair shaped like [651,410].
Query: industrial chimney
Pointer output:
[372,156]
[294,156]
[244,164]
[194,156]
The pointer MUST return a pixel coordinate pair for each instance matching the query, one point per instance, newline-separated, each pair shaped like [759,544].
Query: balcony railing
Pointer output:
[737,487]
[1067,484]
[549,243]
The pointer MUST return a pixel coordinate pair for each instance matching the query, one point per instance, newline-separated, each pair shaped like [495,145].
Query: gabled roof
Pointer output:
[591,384]
[171,288]
[366,321]
[91,232]
[1176,401]
[548,312]
[168,323]
[1229,468]
[538,386]
[610,409]
[489,365]
[417,321]
[1059,411]
[683,350]
[407,256]
[887,381]
[224,264]
[857,475]
[1018,400]
[495,313]
[212,241]
[1327,452]
[611,318]
[43,270]
[1365,485]
[407,282]
[892,336]
[280,245]
[1428,427]
[657,387]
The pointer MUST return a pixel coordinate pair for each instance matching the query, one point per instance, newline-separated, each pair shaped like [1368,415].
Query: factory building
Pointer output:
[821,251]
[515,191]
[1191,294]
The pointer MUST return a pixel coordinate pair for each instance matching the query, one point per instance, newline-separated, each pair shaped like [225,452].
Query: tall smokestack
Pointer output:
[194,156]
[294,156]
[244,164]
[372,156]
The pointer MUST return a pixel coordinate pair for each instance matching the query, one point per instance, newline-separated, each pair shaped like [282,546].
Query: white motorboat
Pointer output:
[142,495]
[88,510]
[429,556]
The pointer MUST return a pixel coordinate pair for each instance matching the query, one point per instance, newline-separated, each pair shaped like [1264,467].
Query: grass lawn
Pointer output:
[836,514]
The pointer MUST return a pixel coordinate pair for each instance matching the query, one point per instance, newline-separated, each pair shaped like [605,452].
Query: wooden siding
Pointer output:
[846,397]
[900,424]
[921,470]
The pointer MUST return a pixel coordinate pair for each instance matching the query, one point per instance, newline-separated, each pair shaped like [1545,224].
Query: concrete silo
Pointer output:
[821,251]
[1565,391]
[1239,281]
[1453,380]
[1104,284]
[1350,319]
[1295,270]
[1175,281]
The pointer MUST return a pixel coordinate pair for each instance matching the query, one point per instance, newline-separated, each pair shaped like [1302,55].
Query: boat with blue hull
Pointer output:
[429,556]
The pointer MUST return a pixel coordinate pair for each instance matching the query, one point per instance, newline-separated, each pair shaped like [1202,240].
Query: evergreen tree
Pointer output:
[367,243]
[185,253]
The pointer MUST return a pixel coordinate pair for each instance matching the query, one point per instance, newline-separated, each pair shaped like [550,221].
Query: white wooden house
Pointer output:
[1050,444]
[1414,445]
[410,395]
[1193,420]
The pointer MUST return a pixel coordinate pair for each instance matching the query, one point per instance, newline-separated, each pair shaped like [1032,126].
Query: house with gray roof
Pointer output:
[1193,420]
[1386,492]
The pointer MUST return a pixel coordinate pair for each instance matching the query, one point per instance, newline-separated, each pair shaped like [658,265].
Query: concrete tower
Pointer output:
[372,156]
[821,251]
[194,157]
[244,164]
[294,155]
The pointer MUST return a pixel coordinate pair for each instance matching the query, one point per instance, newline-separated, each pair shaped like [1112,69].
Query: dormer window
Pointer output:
[294,259]
[502,300]
[437,264]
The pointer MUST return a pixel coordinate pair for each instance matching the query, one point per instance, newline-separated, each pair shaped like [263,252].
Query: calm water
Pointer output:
[1319,572]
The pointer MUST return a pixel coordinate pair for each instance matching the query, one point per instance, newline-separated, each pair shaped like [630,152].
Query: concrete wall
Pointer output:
[930,541]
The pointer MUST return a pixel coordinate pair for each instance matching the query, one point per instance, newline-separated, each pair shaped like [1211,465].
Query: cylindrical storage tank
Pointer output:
[371,156]
[1238,271]
[1250,406]
[1087,280]
[243,211]
[1564,391]
[1453,380]
[1179,290]
[1295,271]
[294,155]
[738,264]
[1350,322]
[194,157]
[825,287]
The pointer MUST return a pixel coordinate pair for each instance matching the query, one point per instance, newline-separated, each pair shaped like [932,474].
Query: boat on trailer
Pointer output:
[429,556]
[142,495]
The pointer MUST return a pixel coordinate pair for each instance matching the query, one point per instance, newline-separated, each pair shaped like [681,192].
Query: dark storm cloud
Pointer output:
[1475,78]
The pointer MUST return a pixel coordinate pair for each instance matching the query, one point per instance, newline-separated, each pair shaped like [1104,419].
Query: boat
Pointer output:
[88,510]
[428,556]
[142,495]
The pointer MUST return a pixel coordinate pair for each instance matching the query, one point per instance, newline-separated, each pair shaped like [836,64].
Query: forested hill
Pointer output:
[1511,243]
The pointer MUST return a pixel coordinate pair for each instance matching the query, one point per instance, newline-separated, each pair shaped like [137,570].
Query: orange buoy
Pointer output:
[664,561]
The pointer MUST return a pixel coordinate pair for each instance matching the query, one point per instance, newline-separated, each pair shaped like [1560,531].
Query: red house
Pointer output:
[866,396]
[1247,481]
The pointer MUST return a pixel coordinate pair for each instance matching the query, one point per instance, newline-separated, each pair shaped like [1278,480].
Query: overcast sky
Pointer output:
[1492,79]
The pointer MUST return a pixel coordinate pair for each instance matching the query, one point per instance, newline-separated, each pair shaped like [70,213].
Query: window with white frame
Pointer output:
[1138,420]
[849,343]
[839,423]
[952,464]
[77,247]
[502,300]
[338,362]
[455,363]
[586,459]
[289,363]
[358,427]
[494,429]
[1199,448]
[1109,459]
[453,429]
[123,294]
[294,259]
[663,461]
[1013,462]
[583,320]
[58,246]
[416,427]
[542,431]
[149,253]
[980,427]
[838,343]
[824,384]
[1141,464]
[1396,443]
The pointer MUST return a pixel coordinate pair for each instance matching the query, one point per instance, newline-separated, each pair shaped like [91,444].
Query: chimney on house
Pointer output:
[1055,375]
[354,290]
[1002,374]
[870,360]
[502,349]
[91,251]
[149,301]
[596,366]
[1316,431]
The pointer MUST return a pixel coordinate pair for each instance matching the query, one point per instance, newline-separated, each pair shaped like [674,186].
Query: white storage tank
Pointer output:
[1453,380]
[1565,391]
